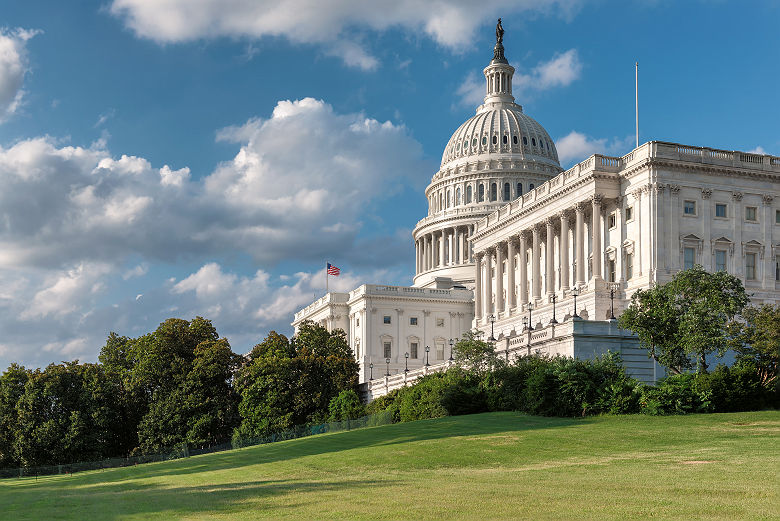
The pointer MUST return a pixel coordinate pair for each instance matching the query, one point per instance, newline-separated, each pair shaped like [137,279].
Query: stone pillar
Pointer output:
[510,275]
[489,283]
[579,243]
[768,275]
[442,250]
[451,246]
[456,246]
[739,215]
[499,281]
[597,229]
[478,288]
[523,269]
[564,252]
[549,255]
[536,277]
[675,211]
[425,253]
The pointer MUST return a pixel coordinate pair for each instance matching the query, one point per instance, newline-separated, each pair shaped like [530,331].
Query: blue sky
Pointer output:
[173,158]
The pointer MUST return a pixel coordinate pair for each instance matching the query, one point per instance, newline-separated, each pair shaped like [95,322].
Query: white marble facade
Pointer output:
[507,230]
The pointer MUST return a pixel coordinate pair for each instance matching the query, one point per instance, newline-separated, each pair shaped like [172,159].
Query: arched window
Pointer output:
[531,186]
[495,140]
[441,201]
[449,198]
[468,194]
[484,140]
[533,141]
[493,192]
[514,139]
[481,193]
[457,197]
[519,189]
[507,191]
[525,140]
[504,139]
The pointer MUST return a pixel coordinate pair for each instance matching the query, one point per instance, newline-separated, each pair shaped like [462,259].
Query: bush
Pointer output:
[733,389]
[346,406]
[424,399]
[675,394]
[465,394]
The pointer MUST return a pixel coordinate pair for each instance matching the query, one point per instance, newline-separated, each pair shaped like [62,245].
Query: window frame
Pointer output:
[413,321]
[387,320]
[686,249]
[685,208]
[387,348]
[725,207]
[755,214]
[725,254]
[439,322]
[629,213]
[754,256]
[612,221]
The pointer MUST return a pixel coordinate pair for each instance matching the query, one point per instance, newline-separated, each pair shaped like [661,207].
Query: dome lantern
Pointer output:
[498,74]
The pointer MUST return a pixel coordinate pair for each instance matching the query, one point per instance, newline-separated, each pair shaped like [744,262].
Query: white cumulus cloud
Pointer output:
[576,146]
[338,26]
[14,65]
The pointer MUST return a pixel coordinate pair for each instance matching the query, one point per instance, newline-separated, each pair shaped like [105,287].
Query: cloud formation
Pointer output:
[87,237]
[14,65]
[559,71]
[336,25]
[576,146]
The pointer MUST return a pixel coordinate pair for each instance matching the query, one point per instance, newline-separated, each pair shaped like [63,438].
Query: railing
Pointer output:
[385,384]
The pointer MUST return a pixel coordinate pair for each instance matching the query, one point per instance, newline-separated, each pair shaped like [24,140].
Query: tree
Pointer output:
[757,341]
[346,406]
[706,303]
[12,383]
[476,355]
[686,317]
[292,382]
[652,317]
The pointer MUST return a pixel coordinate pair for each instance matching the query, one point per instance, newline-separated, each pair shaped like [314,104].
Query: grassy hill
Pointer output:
[485,466]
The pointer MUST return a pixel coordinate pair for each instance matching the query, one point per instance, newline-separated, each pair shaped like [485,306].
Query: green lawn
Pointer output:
[485,466]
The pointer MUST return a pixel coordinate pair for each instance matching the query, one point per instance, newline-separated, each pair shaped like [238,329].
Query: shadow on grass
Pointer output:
[451,426]
[107,501]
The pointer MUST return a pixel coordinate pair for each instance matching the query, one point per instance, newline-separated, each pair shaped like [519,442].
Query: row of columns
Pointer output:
[442,248]
[493,258]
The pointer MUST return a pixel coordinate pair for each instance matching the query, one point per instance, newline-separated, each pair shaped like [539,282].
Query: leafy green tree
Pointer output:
[475,355]
[346,406]
[652,317]
[706,303]
[756,340]
[66,414]
[686,318]
[12,383]
[291,382]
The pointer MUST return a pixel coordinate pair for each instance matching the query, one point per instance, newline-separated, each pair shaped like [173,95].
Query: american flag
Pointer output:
[333,270]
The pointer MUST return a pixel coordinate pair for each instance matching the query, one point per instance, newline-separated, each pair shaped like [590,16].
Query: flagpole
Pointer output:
[636,99]
[326,278]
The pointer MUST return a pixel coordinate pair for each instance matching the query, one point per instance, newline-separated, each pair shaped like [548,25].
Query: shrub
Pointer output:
[675,394]
[345,406]
[423,400]
[733,389]
[465,394]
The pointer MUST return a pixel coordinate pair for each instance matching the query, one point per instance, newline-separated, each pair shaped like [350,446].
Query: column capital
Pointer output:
[674,189]
[767,199]
[706,193]
[597,200]
[737,196]
[579,207]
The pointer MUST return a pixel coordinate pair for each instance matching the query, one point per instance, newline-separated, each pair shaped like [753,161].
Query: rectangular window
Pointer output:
[386,319]
[439,322]
[629,266]
[751,213]
[689,258]
[720,260]
[720,210]
[750,266]
[387,349]
[612,220]
[611,270]
[629,213]
[777,267]
[439,350]
[777,216]
[689,207]
[357,322]
[413,350]
[412,321]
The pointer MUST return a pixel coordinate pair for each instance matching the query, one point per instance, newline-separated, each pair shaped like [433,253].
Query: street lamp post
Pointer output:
[575,291]
[427,350]
[387,361]
[525,323]
[492,319]
[530,320]
[612,301]
[554,298]
[371,369]
[451,344]
[406,369]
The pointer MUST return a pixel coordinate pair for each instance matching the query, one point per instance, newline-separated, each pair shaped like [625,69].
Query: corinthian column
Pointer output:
[510,275]
[442,251]
[499,280]
[489,282]
[564,253]
[597,230]
[523,269]
[536,277]
[549,254]
[478,287]
[579,242]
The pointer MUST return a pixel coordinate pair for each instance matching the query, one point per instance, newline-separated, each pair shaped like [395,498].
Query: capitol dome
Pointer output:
[501,130]
[498,155]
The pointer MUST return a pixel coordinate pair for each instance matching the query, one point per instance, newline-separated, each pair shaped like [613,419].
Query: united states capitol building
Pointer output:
[511,240]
